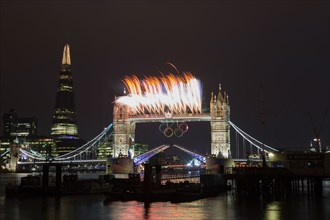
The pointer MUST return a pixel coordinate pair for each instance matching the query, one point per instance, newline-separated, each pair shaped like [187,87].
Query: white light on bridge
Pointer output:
[194,163]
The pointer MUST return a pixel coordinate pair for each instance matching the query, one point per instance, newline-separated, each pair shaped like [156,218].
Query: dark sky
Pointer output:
[284,45]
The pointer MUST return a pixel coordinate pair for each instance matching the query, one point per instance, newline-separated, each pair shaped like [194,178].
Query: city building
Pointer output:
[140,148]
[64,129]
[105,150]
[13,126]
[302,163]
[43,145]
[15,130]
[4,149]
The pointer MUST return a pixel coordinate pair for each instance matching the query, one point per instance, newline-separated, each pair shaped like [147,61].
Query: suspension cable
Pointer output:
[70,156]
[34,156]
[247,135]
[94,140]
[4,153]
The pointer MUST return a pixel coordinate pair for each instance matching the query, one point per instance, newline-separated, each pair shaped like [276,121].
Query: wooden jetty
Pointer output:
[271,182]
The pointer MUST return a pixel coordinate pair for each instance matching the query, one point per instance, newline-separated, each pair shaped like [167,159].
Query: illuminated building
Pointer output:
[15,128]
[22,132]
[140,149]
[64,128]
[4,147]
[43,145]
[18,127]
[105,150]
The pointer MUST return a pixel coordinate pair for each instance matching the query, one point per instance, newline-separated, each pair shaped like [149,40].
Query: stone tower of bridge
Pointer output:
[220,128]
[124,132]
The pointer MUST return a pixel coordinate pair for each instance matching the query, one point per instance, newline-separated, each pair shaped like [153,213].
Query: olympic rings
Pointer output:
[161,129]
[178,131]
[168,132]
[183,127]
[178,134]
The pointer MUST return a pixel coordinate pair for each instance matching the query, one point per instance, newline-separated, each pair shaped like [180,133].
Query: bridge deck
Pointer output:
[174,118]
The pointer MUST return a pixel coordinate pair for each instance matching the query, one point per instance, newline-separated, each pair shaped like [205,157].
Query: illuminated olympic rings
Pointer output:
[177,131]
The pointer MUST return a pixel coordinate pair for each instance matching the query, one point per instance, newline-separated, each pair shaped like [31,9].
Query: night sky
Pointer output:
[284,45]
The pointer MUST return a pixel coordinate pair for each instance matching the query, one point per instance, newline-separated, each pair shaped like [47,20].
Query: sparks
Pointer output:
[165,94]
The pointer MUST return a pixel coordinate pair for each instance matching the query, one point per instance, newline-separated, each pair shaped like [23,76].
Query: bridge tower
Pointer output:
[220,127]
[124,132]
[14,156]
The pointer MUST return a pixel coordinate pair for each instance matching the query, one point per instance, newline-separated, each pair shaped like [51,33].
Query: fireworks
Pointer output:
[165,94]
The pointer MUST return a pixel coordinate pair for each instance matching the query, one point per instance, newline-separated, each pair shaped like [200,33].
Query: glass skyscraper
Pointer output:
[64,127]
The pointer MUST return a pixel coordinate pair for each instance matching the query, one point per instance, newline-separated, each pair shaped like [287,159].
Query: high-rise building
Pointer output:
[64,128]
[18,127]
[9,122]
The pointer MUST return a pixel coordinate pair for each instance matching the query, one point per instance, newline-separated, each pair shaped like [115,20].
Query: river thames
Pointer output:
[225,206]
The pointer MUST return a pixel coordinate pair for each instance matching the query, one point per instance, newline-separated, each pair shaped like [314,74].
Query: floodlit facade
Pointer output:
[220,127]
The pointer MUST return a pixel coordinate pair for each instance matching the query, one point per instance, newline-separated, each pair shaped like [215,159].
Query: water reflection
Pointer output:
[146,209]
[272,211]
[159,210]
[220,207]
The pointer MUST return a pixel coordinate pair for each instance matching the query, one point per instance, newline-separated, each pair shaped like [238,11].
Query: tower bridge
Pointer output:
[122,130]
[167,100]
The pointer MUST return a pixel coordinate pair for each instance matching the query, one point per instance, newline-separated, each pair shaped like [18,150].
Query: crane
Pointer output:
[317,132]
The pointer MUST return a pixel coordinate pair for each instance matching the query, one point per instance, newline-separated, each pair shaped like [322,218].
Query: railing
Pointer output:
[61,162]
[196,155]
[188,115]
[144,157]
[172,118]
[178,176]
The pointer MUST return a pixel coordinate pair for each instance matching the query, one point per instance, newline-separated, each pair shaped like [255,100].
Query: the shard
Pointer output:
[64,126]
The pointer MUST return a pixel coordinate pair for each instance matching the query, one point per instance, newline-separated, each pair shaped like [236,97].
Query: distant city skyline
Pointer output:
[284,45]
